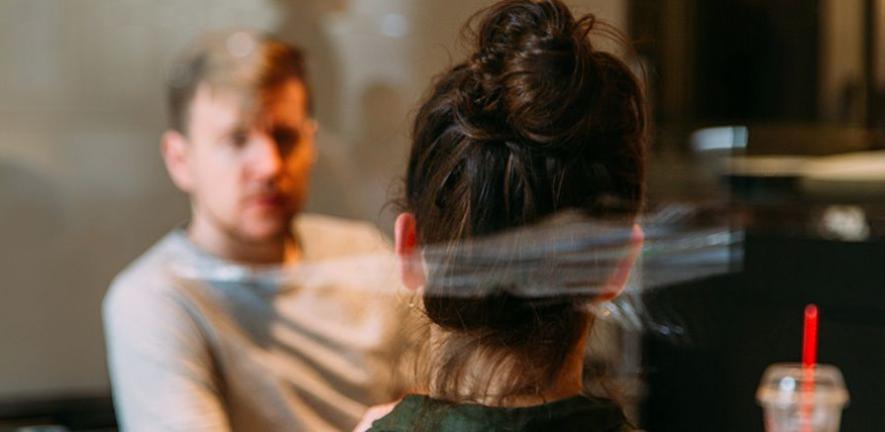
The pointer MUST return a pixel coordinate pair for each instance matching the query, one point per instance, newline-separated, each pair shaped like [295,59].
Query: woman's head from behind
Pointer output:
[534,123]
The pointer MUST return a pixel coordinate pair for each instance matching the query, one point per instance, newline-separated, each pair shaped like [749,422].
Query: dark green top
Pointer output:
[578,413]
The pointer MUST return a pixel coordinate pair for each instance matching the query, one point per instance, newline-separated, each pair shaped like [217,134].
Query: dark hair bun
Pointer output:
[535,122]
[533,71]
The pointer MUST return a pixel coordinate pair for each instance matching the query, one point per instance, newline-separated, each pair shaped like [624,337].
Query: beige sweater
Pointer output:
[248,353]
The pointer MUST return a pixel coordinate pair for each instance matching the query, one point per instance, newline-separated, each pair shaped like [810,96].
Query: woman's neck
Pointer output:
[476,386]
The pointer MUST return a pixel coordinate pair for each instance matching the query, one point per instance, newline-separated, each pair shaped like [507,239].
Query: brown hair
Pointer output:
[535,122]
[252,63]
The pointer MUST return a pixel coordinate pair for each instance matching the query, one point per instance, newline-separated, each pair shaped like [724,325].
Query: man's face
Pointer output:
[249,168]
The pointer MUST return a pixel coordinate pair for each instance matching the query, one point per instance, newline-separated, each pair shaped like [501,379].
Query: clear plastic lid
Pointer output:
[785,384]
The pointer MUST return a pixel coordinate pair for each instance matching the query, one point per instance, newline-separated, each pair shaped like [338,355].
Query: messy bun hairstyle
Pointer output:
[534,122]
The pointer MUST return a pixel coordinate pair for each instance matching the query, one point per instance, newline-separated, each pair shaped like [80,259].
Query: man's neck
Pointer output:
[227,246]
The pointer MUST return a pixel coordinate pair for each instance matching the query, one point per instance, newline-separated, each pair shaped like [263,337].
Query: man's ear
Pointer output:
[411,267]
[311,129]
[618,280]
[174,147]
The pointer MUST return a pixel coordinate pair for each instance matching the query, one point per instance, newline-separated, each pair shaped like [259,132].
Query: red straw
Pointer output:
[809,341]
[809,359]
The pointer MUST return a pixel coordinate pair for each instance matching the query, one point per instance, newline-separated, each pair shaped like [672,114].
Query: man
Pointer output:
[199,337]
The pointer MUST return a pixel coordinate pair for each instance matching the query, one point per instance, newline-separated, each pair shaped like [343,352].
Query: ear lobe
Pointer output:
[411,268]
[618,280]
[174,147]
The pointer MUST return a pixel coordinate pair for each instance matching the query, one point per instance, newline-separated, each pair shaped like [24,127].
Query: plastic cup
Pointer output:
[797,399]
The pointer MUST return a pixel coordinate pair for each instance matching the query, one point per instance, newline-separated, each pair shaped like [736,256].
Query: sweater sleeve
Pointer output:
[162,372]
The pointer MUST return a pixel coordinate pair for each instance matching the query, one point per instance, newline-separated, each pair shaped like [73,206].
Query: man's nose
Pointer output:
[266,160]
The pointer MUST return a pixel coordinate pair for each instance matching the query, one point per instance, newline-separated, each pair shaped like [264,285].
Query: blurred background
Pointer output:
[752,98]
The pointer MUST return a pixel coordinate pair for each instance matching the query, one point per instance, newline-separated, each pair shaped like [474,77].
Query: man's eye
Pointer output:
[238,139]
[286,138]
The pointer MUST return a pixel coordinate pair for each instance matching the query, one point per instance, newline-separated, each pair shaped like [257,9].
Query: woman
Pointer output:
[535,123]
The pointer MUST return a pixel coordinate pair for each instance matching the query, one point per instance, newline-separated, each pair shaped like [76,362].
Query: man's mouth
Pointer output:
[269,201]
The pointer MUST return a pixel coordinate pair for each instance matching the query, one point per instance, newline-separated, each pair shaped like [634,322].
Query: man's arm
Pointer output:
[162,374]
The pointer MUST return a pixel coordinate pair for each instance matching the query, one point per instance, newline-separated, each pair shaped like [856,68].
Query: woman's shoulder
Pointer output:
[578,413]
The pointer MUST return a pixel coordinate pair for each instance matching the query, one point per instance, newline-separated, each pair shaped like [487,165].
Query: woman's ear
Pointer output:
[618,280]
[174,147]
[411,267]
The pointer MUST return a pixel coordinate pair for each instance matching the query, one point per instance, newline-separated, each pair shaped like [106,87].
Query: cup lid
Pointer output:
[788,383]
